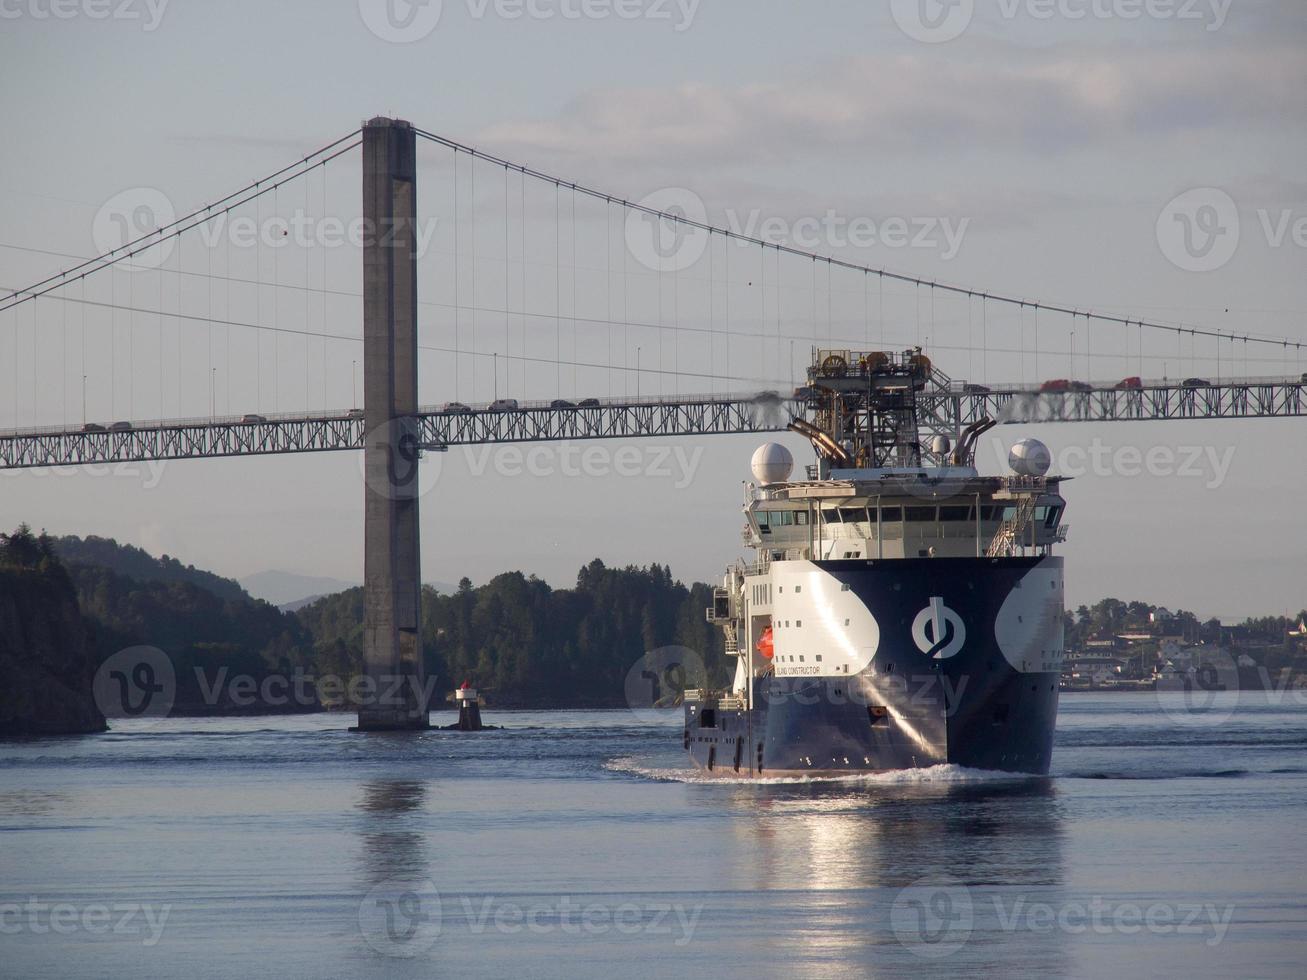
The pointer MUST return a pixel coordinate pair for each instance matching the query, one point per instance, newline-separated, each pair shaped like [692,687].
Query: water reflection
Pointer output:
[851,871]
[390,829]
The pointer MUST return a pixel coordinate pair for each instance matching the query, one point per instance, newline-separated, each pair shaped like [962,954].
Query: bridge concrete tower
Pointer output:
[396,696]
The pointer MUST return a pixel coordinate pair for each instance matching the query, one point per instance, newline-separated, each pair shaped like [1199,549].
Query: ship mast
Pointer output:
[879,410]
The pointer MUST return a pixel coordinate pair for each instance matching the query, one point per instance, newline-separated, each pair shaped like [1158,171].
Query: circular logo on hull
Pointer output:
[938,631]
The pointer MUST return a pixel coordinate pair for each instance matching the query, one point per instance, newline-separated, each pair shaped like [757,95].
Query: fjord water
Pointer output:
[576,844]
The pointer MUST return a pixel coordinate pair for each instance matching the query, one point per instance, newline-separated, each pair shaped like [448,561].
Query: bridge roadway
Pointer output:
[942,410]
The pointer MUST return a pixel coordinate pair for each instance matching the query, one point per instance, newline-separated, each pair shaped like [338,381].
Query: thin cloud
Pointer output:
[1012,98]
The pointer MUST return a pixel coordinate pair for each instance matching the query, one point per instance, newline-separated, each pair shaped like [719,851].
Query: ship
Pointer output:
[900,610]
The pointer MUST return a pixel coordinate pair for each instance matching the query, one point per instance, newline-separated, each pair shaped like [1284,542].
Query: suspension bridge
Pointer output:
[536,305]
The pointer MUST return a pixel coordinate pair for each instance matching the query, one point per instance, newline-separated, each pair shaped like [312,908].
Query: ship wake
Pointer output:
[940,775]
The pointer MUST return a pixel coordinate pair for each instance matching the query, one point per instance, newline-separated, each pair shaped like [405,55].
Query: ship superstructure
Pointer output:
[900,610]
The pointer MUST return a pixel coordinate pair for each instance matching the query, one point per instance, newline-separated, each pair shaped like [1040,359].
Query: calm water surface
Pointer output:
[575,844]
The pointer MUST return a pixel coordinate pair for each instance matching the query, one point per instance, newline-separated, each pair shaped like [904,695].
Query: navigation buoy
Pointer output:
[469,710]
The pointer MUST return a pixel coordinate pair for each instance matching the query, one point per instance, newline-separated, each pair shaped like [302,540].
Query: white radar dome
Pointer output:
[940,445]
[1029,457]
[771,463]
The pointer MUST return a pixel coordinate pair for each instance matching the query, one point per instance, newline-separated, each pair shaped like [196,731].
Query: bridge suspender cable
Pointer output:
[841,263]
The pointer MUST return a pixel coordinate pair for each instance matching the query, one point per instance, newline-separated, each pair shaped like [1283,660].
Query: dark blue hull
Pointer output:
[989,704]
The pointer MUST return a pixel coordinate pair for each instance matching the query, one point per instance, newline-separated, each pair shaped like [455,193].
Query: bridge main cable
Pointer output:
[541,175]
[199,216]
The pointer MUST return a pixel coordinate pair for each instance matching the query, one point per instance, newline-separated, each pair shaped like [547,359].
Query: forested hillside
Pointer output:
[45,657]
[534,646]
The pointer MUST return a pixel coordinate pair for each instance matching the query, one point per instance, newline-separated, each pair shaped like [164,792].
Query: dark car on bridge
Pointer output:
[121,427]
[455,408]
[588,403]
[561,403]
[1196,383]
[92,427]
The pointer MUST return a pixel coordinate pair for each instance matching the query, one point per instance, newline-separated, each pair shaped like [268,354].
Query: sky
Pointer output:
[1140,159]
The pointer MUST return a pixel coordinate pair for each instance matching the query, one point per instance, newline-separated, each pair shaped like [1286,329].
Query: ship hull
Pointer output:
[962,669]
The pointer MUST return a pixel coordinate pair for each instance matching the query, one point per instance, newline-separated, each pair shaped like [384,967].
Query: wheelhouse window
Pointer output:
[920,514]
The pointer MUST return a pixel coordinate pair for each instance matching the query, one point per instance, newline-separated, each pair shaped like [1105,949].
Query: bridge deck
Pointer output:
[626,418]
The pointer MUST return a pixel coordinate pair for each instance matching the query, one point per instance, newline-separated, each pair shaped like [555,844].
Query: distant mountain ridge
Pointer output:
[289,591]
[136,563]
[292,588]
